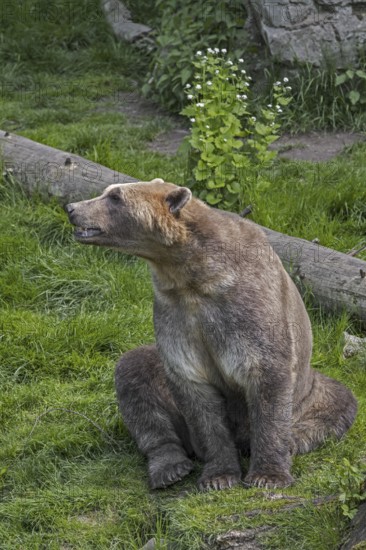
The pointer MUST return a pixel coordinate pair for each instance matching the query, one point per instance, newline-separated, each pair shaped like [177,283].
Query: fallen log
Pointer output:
[52,172]
[356,539]
[336,280]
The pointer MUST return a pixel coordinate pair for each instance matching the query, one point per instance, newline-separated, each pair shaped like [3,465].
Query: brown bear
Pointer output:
[230,371]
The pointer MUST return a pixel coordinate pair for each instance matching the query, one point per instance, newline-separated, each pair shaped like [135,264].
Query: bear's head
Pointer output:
[141,218]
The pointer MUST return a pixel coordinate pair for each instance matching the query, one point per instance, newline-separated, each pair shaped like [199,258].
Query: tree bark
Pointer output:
[337,281]
[357,536]
[52,172]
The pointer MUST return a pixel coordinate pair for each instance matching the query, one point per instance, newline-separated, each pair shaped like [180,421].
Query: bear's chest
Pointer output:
[198,341]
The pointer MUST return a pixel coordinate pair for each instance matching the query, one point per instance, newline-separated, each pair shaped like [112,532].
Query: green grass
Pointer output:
[70,475]
[318,103]
[67,312]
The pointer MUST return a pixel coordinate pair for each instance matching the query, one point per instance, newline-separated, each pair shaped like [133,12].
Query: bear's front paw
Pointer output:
[170,473]
[269,480]
[218,482]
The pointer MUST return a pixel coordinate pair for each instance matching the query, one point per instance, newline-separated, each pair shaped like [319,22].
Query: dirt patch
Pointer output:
[312,146]
[131,104]
[169,142]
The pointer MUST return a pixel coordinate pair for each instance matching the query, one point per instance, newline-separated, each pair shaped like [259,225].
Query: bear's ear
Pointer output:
[178,198]
[157,180]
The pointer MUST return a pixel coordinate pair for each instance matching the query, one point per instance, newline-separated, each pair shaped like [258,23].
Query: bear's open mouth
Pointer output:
[87,232]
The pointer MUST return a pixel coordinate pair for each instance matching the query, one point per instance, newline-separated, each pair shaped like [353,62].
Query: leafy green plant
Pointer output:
[352,486]
[356,81]
[185,28]
[228,142]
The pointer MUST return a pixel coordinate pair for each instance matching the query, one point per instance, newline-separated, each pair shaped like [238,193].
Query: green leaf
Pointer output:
[340,79]
[361,74]
[234,187]
[262,129]
[354,97]
[284,100]
[212,198]
[350,74]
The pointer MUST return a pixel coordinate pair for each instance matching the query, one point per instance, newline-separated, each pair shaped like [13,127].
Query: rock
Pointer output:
[314,31]
[248,539]
[153,544]
[119,18]
[353,345]
[150,545]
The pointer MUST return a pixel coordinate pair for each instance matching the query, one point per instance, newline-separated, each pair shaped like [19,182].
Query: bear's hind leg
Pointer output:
[150,414]
[329,410]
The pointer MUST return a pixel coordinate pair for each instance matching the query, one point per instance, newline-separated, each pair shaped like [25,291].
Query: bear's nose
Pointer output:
[69,208]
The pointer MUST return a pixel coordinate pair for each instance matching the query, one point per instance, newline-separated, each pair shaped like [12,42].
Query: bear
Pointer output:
[230,371]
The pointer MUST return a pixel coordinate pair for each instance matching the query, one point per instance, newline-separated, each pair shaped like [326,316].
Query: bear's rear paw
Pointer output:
[269,481]
[218,482]
[170,473]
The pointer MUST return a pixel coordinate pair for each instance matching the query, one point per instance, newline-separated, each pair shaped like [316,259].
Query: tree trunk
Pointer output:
[336,280]
[52,172]
[357,536]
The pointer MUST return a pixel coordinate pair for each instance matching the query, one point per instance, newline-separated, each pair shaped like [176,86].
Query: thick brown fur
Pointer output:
[230,371]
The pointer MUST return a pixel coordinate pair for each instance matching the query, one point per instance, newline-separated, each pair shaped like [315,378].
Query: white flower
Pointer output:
[192,119]
[278,83]
[198,87]
[249,78]
[199,52]
[278,107]
[243,71]
[197,76]
[288,88]
[225,139]
[210,50]
[229,62]
[279,110]
[209,83]
[217,71]
[285,79]
[244,96]
[246,83]
[200,104]
[224,50]
[253,118]
[190,96]
[217,50]
[188,85]
[241,60]
[207,126]
[269,105]
[238,96]
[227,78]
[205,57]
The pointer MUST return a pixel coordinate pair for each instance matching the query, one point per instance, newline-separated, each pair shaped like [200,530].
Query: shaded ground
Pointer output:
[315,146]
[312,146]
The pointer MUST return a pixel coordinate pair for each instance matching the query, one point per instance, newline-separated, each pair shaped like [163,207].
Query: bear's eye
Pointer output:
[115,197]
